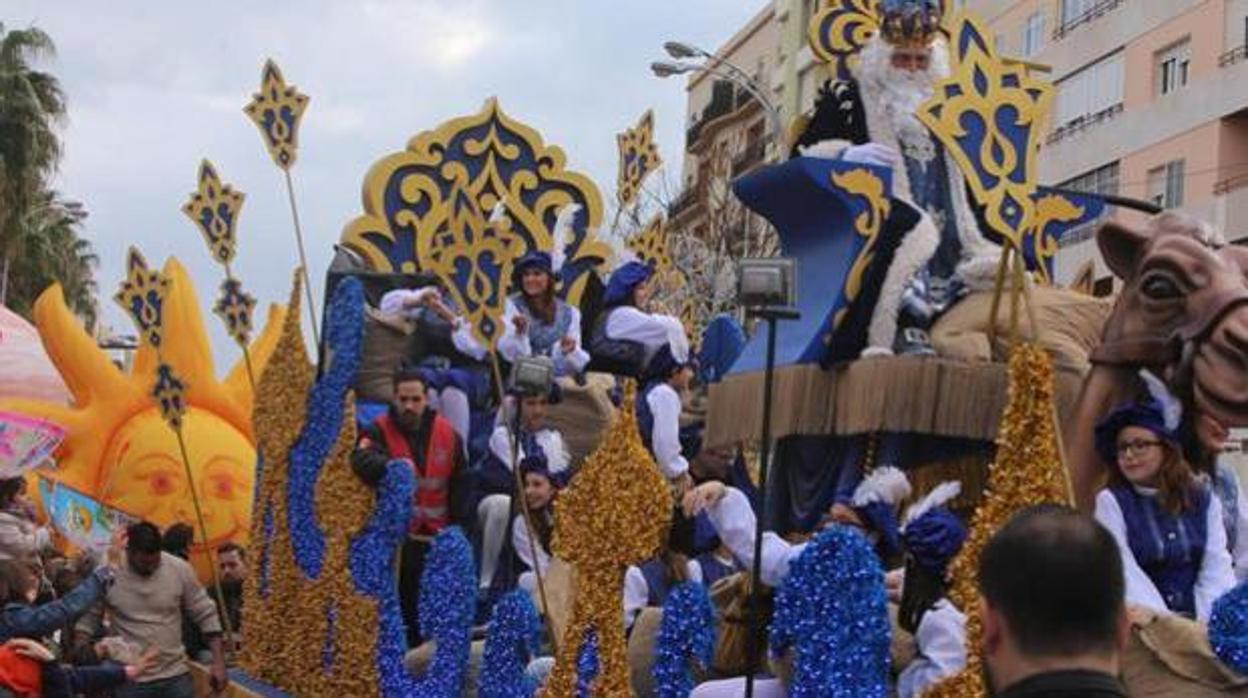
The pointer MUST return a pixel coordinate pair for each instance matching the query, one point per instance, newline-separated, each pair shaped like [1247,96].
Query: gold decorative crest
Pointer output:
[235,308]
[410,196]
[276,110]
[142,296]
[639,156]
[1050,209]
[170,395]
[988,117]
[214,209]
[650,246]
[839,30]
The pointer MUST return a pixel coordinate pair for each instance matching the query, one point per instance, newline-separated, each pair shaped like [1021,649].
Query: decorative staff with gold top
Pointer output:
[639,156]
[276,109]
[214,209]
[142,295]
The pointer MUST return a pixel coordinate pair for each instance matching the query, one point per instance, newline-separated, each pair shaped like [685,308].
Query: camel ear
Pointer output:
[1120,247]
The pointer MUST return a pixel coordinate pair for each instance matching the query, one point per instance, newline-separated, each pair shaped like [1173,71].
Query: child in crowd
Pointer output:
[540,493]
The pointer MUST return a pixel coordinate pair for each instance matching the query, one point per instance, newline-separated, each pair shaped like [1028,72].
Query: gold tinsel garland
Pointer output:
[1028,470]
[277,420]
[271,653]
[616,513]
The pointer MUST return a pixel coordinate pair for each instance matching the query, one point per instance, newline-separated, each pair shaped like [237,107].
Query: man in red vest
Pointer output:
[413,432]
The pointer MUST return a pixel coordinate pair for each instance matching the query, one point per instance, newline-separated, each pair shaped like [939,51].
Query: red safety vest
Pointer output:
[431,501]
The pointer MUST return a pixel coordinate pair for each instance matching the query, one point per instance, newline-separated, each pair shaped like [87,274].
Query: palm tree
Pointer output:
[53,251]
[31,106]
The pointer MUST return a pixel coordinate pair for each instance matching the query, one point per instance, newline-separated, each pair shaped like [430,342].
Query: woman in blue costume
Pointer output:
[536,322]
[1166,520]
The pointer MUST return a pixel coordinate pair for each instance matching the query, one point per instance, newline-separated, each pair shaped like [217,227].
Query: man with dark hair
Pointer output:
[413,432]
[232,567]
[1053,603]
[146,605]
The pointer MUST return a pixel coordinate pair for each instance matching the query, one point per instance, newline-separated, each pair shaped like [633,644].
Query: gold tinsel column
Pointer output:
[1028,470]
[616,513]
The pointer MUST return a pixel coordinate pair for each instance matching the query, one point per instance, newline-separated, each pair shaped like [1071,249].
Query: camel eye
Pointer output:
[1160,287]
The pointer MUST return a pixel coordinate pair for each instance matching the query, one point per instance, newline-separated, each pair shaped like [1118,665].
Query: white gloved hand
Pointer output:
[871,154]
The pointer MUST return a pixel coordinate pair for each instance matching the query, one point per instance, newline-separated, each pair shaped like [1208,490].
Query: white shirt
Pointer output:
[1239,553]
[734,522]
[651,330]
[550,440]
[397,303]
[941,640]
[1214,579]
[637,591]
[513,345]
[665,406]
[524,550]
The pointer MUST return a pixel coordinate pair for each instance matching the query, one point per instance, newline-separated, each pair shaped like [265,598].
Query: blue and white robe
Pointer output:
[543,339]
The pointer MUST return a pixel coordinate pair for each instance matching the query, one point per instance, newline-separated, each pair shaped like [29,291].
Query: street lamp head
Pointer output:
[678,50]
[665,69]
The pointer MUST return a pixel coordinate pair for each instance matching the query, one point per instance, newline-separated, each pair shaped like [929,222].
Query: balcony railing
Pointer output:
[1091,14]
[1230,184]
[751,156]
[1233,56]
[1082,123]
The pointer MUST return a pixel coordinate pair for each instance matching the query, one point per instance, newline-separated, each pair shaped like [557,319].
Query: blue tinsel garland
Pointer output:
[515,631]
[687,632]
[1228,628]
[831,610]
[344,333]
[587,664]
[372,572]
[448,599]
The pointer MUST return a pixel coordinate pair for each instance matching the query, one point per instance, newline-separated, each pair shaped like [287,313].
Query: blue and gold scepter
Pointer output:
[142,295]
[276,110]
[214,207]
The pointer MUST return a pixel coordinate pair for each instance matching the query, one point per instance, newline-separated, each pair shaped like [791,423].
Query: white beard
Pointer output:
[902,92]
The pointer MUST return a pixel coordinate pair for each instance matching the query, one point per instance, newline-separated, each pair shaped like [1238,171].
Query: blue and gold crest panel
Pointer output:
[839,29]
[1057,213]
[409,196]
[829,215]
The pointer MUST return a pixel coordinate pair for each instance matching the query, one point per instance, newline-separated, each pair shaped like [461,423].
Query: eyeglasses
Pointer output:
[1136,448]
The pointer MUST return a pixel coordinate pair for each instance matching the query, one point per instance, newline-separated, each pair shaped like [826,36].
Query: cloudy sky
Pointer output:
[154,87]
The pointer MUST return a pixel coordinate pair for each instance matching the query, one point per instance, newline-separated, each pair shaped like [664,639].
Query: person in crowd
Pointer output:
[716,564]
[1054,612]
[29,669]
[20,537]
[648,584]
[415,433]
[626,318]
[541,489]
[454,373]
[177,540]
[536,322]
[658,415]
[932,536]
[1168,524]
[145,607]
[497,479]
[232,569]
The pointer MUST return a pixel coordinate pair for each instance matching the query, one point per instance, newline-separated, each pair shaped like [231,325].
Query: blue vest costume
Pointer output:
[655,575]
[713,570]
[543,337]
[495,477]
[1169,548]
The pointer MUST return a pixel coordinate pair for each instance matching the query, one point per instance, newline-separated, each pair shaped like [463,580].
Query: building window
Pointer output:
[1103,181]
[1165,184]
[1092,90]
[1033,34]
[1172,67]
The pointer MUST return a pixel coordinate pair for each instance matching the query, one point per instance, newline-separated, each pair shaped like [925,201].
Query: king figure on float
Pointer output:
[933,248]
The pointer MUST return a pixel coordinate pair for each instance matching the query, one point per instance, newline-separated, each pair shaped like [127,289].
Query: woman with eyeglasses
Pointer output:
[1166,520]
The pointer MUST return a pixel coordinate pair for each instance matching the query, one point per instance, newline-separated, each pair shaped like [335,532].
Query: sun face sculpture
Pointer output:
[120,452]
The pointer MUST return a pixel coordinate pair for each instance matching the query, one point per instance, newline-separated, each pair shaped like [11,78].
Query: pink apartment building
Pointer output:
[1152,103]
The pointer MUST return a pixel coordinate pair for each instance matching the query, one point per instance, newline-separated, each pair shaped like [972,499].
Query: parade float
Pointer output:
[1020,373]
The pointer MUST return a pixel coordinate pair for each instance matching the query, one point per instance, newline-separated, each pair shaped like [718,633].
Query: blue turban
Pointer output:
[623,281]
[1146,414]
[881,518]
[532,260]
[934,538]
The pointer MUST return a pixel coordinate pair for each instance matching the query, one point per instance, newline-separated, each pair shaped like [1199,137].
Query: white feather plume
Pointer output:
[499,211]
[1172,409]
[885,484]
[562,235]
[939,496]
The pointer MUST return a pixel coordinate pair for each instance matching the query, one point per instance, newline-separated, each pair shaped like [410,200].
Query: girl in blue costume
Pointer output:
[1166,520]
[626,298]
[536,322]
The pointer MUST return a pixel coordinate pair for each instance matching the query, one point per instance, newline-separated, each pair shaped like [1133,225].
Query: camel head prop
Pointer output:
[1183,314]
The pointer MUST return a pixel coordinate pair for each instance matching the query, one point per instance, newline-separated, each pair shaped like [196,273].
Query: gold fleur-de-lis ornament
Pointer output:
[639,156]
[276,110]
[214,207]
[235,308]
[142,296]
